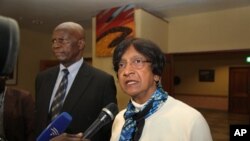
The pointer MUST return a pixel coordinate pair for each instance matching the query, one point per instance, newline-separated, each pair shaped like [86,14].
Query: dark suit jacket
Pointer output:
[91,90]
[18,119]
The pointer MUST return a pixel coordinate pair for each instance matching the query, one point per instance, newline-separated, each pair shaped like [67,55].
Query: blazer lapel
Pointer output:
[48,88]
[78,87]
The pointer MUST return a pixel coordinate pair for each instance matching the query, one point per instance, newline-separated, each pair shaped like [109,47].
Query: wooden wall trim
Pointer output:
[205,102]
[200,95]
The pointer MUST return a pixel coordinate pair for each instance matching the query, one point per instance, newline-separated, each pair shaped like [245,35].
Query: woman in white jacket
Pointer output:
[151,114]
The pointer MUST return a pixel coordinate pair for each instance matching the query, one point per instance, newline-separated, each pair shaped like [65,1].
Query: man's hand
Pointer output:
[70,137]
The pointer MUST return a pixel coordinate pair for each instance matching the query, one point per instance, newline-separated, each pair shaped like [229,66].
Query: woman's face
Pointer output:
[135,76]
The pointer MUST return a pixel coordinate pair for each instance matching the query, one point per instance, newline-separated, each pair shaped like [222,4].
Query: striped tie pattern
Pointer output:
[57,103]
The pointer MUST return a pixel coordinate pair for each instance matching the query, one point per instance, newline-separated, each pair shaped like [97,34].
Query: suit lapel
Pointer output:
[48,88]
[78,87]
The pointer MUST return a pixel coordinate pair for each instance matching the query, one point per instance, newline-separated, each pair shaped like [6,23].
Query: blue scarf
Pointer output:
[134,121]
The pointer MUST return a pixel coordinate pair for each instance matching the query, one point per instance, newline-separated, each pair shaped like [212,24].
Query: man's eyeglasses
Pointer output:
[136,63]
[60,41]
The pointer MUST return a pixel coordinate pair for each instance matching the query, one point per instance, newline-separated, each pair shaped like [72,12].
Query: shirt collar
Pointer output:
[138,106]
[73,69]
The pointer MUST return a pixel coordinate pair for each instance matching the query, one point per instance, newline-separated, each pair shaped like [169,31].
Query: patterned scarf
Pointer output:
[134,121]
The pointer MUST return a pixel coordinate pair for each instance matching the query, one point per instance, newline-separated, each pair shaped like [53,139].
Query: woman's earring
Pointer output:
[156,78]
[157,81]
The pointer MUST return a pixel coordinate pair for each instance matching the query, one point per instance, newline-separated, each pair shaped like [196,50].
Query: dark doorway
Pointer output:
[239,88]
[168,76]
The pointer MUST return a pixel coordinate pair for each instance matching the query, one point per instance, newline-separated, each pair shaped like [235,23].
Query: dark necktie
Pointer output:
[57,103]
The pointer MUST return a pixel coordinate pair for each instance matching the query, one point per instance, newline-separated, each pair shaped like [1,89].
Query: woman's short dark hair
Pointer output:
[147,48]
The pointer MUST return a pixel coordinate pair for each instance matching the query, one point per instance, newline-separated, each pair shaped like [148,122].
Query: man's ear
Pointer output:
[81,44]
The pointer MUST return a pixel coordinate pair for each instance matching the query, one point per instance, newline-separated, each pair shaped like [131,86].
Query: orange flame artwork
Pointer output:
[112,26]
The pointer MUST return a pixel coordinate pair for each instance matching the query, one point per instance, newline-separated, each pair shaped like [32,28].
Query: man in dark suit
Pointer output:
[16,113]
[88,89]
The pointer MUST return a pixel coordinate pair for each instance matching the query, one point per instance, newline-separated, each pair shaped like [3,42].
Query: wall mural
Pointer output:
[112,26]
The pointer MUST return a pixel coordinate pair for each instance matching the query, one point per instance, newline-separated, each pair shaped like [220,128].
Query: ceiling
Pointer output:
[45,14]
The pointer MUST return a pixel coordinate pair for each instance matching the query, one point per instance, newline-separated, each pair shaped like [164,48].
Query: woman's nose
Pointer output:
[128,70]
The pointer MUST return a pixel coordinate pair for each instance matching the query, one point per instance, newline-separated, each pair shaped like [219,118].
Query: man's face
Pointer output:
[66,47]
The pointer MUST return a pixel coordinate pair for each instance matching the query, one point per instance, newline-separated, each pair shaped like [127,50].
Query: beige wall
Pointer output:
[187,68]
[228,29]
[211,95]
[151,27]
[34,46]
[219,30]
